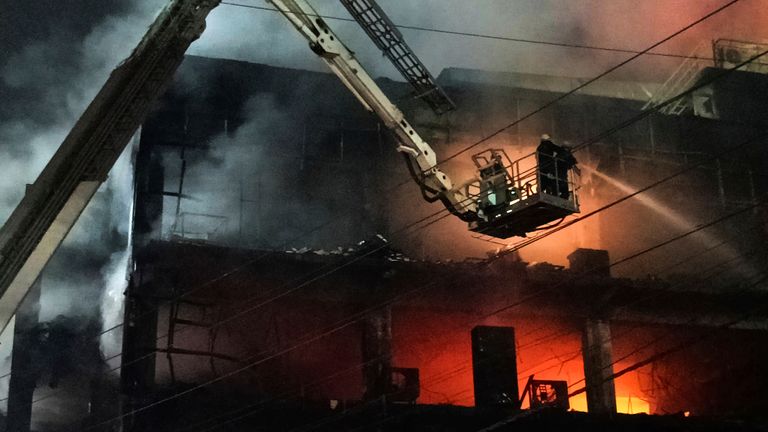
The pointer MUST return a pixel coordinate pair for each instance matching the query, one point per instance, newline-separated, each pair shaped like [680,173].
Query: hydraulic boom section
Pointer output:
[502,200]
[53,203]
[323,41]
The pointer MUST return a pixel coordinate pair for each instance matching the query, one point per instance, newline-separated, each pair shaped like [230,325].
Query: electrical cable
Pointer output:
[433,222]
[669,291]
[333,329]
[762,278]
[695,255]
[677,347]
[635,366]
[576,353]
[733,2]
[629,196]
[570,92]
[569,45]
[592,80]
[597,211]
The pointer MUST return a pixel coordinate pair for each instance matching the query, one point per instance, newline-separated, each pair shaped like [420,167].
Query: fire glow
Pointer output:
[545,350]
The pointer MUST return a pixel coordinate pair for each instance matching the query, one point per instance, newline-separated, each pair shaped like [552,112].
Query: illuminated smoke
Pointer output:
[674,218]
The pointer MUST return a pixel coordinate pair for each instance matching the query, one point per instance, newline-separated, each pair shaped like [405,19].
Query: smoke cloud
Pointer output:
[621,24]
[48,78]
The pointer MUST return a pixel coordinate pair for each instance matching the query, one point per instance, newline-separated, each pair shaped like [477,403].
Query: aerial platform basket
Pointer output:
[518,197]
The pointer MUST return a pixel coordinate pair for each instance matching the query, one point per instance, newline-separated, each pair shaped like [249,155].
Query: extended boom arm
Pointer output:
[53,203]
[434,183]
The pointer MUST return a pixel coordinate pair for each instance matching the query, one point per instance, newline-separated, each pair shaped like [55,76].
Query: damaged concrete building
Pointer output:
[260,287]
[286,275]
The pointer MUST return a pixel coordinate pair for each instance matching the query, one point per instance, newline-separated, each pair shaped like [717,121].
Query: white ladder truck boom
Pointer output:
[324,42]
[506,198]
[52,204]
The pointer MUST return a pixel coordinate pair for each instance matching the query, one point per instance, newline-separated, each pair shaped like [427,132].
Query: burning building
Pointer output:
[259,280]
[285,275]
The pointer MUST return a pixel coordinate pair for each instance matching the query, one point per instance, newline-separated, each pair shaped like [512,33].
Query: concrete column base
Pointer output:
[598,367]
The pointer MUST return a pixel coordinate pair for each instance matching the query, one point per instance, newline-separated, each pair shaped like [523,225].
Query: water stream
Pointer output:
[678,221]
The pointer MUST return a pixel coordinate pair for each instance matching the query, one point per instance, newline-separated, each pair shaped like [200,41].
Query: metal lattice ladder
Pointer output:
[389,40]
[681,80]
[211,328]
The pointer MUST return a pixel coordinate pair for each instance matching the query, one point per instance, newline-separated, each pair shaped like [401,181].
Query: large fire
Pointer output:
[545,349]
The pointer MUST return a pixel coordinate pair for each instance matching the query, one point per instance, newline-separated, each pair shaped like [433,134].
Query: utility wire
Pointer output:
[682,236]
[119,325]
[645,51]
[592,80]
[595,212]
[669,291]
[691,341]
[761,279]
[251,413]
[438,219]
[569,45]
[622,261]
[635,366]
[343,324]
[634,119]
[636,54]
[437,378]
[310,278]
[711,273]
[614,128]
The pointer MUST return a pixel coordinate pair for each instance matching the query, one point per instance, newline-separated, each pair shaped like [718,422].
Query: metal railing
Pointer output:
[524,178]
[198,226]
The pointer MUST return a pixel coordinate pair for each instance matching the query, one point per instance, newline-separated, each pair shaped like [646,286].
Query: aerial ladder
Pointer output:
[503,200]
[52,204]
[385,35]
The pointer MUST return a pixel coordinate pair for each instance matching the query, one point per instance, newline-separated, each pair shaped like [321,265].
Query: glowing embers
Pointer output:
[515,198]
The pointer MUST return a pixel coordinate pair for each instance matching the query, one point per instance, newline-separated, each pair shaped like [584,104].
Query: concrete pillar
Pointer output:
[150,185]
[598,367]
[377,354]
[137,375]
[25,370]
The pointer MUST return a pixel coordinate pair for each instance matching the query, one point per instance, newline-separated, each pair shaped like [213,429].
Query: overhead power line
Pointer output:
[678,33]
[350,320]
[244,412]
[569,45]
[576,353]
[679,346]
[527,242]
[593,80]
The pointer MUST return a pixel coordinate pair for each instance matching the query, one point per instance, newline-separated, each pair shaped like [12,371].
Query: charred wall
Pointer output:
[261,326]
[259,156]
